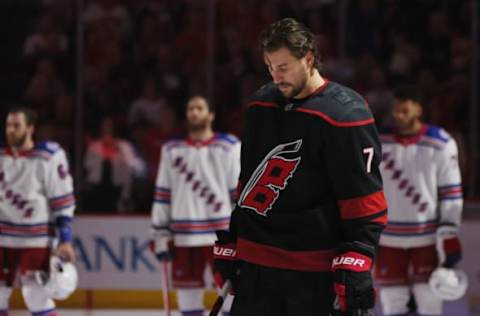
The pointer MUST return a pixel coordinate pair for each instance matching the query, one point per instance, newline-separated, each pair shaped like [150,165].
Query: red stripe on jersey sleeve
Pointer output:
[363,206]
[382,220]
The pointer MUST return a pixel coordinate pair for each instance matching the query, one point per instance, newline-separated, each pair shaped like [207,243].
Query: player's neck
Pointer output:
[414,129]
[201,135]
[314,82]
[27,145]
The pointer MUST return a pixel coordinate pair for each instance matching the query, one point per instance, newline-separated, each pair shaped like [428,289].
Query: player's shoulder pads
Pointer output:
[267,95]
[46,149]
[229,138]
[339,106]
[437,133]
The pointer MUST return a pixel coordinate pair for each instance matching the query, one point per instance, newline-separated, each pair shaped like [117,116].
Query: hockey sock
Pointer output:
[5,293]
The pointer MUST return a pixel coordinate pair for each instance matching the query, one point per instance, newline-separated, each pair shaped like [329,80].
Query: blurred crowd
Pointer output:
[144,58]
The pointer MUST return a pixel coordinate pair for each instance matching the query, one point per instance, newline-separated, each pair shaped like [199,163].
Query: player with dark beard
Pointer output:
[36,195]
[194,192]
[311,205]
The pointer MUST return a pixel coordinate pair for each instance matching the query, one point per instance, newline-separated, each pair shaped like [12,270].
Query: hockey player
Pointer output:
[36,204]
[311,206]
[195,189]
[424,192]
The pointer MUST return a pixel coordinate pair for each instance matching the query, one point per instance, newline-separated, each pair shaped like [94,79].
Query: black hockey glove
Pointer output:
[353,279]
[225,263]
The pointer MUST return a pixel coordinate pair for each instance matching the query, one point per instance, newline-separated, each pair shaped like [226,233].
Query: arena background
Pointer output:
[92,66]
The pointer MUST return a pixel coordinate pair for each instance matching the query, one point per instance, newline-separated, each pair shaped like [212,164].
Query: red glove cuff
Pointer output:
[452,245]
[352,261]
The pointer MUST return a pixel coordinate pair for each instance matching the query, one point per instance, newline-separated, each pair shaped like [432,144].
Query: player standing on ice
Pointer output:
[311,207]
[36,203]
[195,189]
[424,191]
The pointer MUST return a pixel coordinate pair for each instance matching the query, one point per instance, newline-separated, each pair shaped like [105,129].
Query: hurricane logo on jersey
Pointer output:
[269,178]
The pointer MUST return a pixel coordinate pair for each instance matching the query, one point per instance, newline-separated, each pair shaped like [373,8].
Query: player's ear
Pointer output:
[418,109]
[310,59]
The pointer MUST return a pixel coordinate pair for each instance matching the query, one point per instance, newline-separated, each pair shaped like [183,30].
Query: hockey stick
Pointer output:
[167,306]
[217,306]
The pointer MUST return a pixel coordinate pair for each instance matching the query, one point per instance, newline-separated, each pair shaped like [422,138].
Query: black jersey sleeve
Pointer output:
[352,153]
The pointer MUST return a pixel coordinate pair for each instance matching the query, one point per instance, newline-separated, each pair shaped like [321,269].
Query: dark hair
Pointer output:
[407,92]
[210,106]
[293,35]
[31,115]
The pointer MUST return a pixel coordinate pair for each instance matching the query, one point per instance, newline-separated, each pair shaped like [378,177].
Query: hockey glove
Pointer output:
[353,279]
[448,245]
[162,247]
[225,263]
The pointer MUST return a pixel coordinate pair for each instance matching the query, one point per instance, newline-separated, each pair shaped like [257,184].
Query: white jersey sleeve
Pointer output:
[234,171]
[450,197]
[161,209]
[59,184]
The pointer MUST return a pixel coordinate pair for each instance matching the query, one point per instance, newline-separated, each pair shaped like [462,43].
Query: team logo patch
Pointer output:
[269,178]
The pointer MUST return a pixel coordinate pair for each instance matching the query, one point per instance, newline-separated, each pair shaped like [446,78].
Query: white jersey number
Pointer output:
[369,152]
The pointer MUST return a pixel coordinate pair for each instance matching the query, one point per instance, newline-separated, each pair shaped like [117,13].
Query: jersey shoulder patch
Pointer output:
[46,149]
[437,133]
[229,138]
[339,106]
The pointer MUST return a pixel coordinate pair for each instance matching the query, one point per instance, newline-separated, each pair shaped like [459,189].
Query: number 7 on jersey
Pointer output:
[369,152]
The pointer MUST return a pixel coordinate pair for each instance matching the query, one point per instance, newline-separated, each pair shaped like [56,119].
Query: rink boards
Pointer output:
[117,270]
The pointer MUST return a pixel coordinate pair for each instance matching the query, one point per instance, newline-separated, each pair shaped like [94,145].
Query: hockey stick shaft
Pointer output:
[167,306]
[217,306]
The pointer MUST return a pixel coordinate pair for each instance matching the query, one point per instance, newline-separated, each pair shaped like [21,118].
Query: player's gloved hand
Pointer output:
[162,247]
[225,263]
[448,245]
[353,279]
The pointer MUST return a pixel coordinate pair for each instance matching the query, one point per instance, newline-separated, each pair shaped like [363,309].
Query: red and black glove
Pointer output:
[353,279]
[449,249]
[225,263]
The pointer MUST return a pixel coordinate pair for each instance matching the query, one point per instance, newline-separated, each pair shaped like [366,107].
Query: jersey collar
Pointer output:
[203,143]
[411,139]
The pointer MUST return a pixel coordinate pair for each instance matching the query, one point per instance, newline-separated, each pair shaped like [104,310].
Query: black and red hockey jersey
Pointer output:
[309,178]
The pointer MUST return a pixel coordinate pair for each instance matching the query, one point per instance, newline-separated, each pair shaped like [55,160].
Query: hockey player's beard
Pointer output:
[197,127]
[16,142]
[295,90]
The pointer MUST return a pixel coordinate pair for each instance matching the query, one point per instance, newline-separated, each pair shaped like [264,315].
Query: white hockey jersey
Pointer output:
[195,189]
[35,188]
[421,179]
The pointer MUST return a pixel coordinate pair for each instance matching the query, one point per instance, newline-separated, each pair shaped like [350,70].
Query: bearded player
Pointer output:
[195,189]
[36,210]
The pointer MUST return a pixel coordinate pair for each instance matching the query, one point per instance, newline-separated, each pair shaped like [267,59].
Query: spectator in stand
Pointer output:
[111,165]
[379,96]
[147,109]
[108,12]
[43,88]
[48,39]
